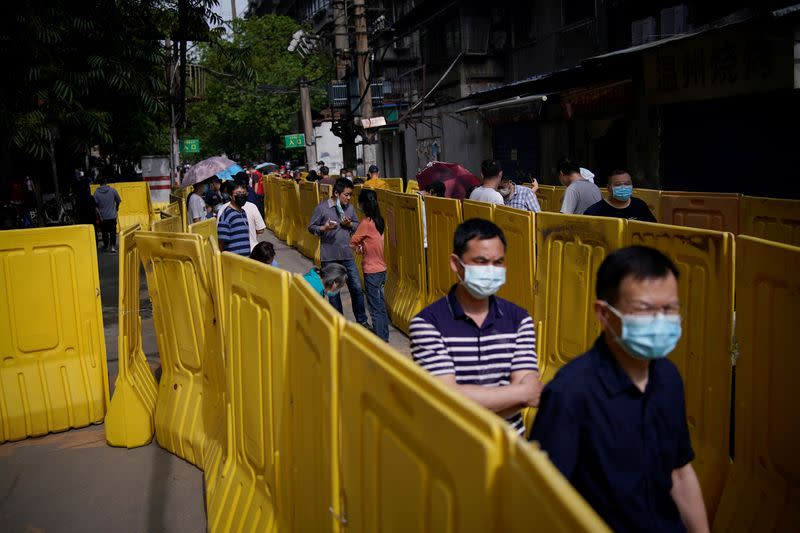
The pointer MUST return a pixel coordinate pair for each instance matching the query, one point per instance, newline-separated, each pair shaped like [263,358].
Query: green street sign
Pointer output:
[297,140]
[189,146]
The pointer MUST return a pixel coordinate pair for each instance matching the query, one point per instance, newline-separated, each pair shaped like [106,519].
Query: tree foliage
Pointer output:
[252,87]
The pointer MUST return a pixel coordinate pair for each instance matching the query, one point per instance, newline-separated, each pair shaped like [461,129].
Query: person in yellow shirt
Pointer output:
[374,180]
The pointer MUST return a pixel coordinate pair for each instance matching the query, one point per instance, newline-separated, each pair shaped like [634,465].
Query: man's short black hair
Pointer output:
[475,228]
[239,184]
[641,262]
[323,170]
[618,171]
[567,166]
[342,184]
[490,168]
[436,188]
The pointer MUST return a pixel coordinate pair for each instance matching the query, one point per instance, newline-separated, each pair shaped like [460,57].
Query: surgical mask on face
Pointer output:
[339,208]
[333,292]
[622,192]
[240,199]
[482,281]
[648,337]
[505,192]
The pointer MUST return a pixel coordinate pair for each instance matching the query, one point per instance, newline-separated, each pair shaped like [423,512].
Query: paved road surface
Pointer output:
[74,482]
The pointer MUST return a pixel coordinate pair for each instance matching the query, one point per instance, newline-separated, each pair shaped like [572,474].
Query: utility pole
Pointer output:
[340,40]
[174,152]
[233,10]
[364,82]
[308,126]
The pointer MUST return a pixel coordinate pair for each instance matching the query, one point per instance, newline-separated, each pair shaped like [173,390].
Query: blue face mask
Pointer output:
[648,337]
[622,192]
[339,208]
[482,281]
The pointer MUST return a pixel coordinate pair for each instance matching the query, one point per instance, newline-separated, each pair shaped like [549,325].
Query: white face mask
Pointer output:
[482,281]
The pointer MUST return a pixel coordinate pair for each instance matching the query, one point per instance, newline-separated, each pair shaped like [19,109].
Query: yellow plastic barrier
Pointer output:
[299,223]
[309,198]
[394,184]
[546,196]
[415,455]
[136,206]
[325,191]
[518,227]
[652,197]
[179,197]
[410,253]
[703,356]
[473,209]
[443,217]
[53,375]
[131,416]
[569,249]
[771,219]
[704,210]
[270,203]
[190,412]
[391,239]
[558,197]
[168,224]
[283,224]
[412,186]
[256,303]
[308,488]
[761,493]
[530,490]
[206,228]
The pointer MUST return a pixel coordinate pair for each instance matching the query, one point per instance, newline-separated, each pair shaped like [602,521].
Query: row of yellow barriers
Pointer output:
[552,260]
[136,206]
[311,439]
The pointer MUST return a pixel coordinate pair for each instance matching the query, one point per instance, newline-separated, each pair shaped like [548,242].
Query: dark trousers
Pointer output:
[354,286]
[109,230]
[377,305]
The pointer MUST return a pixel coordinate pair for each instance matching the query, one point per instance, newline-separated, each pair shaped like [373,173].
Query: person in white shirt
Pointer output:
[492,173]
[255,222]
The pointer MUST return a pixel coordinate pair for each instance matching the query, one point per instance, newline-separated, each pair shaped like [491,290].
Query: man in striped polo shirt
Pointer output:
[481,345]
[232,229]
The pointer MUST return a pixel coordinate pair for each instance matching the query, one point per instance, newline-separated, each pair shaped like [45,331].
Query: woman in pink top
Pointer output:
[368,241]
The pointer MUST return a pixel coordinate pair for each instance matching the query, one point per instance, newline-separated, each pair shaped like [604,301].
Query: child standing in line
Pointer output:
[368,241]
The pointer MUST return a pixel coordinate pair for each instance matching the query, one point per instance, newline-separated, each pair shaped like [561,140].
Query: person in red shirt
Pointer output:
[368,241]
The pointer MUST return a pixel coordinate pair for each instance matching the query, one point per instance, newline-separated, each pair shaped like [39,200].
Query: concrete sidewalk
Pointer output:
[74,482]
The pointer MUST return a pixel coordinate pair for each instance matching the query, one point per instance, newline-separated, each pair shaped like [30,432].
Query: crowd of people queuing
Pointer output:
[613,420]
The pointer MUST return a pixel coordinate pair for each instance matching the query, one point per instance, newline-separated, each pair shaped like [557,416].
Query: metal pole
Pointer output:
[233,10]
[308,126]
[340,40]
[362,62]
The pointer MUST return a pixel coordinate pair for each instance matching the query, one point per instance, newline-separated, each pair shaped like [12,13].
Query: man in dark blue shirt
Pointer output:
[613,421]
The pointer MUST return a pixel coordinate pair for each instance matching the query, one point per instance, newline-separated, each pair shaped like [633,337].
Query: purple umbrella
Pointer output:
[205,169]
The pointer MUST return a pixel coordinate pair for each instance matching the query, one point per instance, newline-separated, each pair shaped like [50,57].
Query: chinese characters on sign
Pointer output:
[294,141]
[189,146]
[715,66]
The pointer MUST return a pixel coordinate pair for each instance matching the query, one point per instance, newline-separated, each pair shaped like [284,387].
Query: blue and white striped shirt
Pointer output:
[524,198]
[444,340]
[232,230]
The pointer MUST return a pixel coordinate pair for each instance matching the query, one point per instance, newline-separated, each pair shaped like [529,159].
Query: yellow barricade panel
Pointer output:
[518,227]
[270,203]
[173,209]
[256,302]
[546,197]
[716,211]
[703,355]
[415,455]
[308,491]
[168,225]
[412,186]
[190,413]
[761,493]
[443,216]
[570,249]
[325,191]
[131,416]
[206,228]
[136,206]
[179,198]
[558,197]
[299,221]
[772,219]
[473,209]
[391,239]
[530,490]
[309,198]
[652,197]
[411,259]
[284,224]
[53,375]
[394,184]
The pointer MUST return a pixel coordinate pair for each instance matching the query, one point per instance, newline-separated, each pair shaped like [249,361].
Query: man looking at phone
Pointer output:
[334,221]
